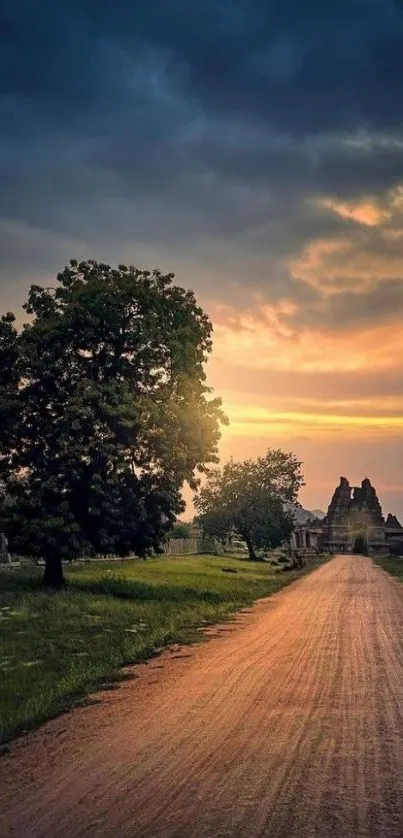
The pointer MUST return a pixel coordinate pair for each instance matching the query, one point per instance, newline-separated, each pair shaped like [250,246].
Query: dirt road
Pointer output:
[289,722]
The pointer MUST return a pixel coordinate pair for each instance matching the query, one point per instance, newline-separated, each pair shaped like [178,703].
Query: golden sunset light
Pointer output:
[364,212]
[286,348]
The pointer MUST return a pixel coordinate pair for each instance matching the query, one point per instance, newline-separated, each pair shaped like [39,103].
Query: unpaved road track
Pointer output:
[289,722]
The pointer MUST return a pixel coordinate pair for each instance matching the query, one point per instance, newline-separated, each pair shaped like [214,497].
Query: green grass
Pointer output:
[392,565]
[55,647]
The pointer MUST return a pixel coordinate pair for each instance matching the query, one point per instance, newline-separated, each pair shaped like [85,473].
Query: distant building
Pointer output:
[307,538]
[355,523]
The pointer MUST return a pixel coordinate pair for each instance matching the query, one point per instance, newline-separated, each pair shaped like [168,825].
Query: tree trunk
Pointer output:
[53,575]
[252,555]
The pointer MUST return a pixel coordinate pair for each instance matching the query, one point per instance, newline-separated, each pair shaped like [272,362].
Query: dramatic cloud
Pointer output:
[254,148]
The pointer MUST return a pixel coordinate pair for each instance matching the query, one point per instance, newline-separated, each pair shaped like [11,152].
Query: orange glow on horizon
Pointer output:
[251,344]
[254,421]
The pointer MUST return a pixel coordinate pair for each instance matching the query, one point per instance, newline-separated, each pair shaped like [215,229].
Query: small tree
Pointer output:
[181,529]
[104,413]
[248,498]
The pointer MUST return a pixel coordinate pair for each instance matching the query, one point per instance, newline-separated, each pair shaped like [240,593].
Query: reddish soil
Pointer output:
[288,722]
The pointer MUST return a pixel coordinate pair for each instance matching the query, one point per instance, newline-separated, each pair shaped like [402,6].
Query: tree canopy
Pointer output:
[248,498]
[181,529]
[104,413]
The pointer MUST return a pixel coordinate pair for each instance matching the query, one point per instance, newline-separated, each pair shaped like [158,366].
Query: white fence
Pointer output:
[186,546]
[173,547]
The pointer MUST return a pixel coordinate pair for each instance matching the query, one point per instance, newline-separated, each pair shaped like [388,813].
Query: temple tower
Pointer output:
[354,520]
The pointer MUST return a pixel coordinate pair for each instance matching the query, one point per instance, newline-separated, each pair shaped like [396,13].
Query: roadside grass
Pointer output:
[392,565]
[56,647]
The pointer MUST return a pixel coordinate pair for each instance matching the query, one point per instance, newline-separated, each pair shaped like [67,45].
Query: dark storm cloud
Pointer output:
[298,66]
[382,303]
[185,123]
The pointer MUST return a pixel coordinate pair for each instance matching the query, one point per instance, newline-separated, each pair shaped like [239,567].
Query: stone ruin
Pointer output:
[355,523]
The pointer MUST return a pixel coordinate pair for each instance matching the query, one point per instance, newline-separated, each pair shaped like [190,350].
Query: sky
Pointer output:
[254,148]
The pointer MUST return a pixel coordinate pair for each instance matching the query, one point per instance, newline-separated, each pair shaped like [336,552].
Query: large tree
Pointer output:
[104,413]
[249,498]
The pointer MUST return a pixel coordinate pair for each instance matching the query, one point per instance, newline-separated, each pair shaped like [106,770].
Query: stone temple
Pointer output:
[355,524]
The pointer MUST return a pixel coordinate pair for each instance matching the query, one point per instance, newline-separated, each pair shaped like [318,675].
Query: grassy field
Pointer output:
[55,647]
